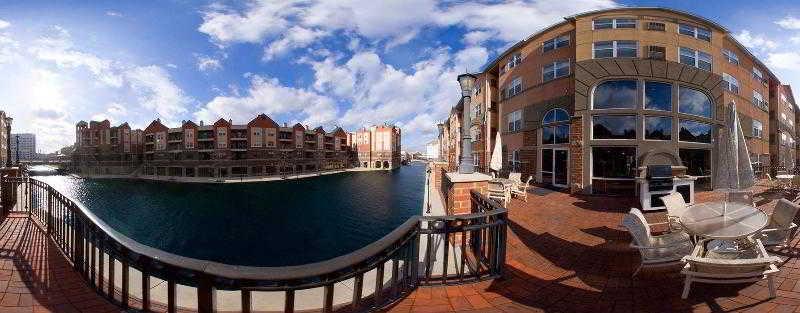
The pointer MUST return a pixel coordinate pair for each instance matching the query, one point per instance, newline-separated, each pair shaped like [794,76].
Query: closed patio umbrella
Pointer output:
[734,170]
[496,163]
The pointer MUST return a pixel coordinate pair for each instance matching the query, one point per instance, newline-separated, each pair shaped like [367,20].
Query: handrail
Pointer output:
[79,233]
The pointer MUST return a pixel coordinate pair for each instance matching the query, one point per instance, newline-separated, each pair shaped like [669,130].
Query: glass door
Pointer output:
[555,165]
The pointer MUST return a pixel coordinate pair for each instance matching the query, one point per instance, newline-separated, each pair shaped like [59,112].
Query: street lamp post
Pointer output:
[8,141]
[467,165]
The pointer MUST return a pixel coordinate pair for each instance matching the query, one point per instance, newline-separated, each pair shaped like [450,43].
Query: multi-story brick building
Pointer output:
[584,103]
[23,147]
[104,149]
[378,147]
[5,135]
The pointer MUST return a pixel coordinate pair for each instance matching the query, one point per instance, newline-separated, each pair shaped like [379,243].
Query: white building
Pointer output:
[27,146]
[432,150]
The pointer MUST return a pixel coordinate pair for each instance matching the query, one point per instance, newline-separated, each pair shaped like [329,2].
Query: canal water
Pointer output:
[275,223]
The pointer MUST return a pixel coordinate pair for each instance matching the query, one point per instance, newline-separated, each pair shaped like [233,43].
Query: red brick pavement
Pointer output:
[568,254]
[35,277]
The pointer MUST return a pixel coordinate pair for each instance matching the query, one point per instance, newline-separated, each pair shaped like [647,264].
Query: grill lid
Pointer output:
[660,171]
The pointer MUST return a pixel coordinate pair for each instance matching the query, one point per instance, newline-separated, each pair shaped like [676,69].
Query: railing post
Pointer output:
[50,199]
[206,295]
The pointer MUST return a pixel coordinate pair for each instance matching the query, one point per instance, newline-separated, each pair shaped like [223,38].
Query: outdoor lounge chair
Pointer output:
[770,182]
[741,196]
[676,206]
[520,189]
[781,227]
[749,265]
[656,251]
[497,192]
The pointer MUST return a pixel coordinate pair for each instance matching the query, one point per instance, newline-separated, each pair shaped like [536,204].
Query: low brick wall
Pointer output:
[458,196]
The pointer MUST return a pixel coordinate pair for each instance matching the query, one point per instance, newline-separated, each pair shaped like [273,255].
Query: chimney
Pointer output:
[201,123]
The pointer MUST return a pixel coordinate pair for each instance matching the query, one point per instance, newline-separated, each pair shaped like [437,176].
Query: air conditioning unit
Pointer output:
[656,53]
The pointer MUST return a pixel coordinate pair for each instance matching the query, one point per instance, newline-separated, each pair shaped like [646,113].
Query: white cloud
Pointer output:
[4,24]
[267,95]
[758,42]
[206,63]
[789,23]
[260,19]
[477,37]
[784,60]
[57,47]
[294,37]
[157,92]
[114,14]
[116,113]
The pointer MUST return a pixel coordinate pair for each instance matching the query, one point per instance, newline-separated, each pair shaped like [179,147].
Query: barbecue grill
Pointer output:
[659,177]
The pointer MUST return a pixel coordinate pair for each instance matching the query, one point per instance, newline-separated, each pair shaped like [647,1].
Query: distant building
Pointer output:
[432,150]
[23,146]
[5,121]
[378,147]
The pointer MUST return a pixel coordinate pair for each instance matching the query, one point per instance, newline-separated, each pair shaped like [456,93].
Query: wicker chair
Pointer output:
[781,228]
[656,251]
[676,207]
[498,192]
[749,265]
[740,196]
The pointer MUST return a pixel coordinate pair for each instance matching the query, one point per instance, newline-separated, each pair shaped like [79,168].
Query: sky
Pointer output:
[329,63]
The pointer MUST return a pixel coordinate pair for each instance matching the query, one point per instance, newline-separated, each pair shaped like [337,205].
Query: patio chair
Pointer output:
[655,251]
[781,227]
[741,196]
[520,189]
[770,183]
[676,207]
[751,264]
[795,186]
[498,192]
[515,176]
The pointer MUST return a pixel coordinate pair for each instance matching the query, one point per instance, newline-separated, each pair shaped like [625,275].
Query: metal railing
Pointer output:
[457,249]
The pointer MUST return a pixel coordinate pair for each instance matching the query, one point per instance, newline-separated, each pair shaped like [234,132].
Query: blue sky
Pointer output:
[333,63]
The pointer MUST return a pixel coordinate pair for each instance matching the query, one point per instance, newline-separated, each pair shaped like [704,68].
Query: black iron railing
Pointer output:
[456,249]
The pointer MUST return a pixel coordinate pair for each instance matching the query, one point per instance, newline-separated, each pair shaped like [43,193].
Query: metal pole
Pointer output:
[8,143]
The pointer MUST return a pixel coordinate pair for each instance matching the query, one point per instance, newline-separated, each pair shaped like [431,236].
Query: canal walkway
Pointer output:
[229,180]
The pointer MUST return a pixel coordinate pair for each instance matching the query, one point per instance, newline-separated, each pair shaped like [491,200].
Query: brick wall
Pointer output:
[576,155]
[458,196]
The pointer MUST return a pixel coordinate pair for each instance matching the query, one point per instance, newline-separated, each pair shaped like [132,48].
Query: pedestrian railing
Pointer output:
[456,249]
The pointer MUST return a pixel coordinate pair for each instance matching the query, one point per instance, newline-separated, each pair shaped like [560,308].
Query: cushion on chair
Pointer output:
[783,215]
[675,204]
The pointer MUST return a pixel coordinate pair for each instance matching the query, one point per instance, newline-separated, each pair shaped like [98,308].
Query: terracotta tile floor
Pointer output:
[35,277]
[568,253]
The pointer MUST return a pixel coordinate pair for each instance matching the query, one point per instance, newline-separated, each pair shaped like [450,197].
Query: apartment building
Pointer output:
[23,147]
[104,149]
[5,135]
[586,103]
[378,147]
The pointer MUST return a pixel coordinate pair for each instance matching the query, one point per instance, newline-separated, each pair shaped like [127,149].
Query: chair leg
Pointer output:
[637,270]
[771,282]
[687,284]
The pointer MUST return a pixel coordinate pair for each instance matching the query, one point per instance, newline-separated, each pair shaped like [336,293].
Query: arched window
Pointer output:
[694,102]
[615,94]
[555,129]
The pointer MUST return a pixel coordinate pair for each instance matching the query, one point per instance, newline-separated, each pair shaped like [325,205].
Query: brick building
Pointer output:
[378,147]
[5,133]
[104,149]
[584,103]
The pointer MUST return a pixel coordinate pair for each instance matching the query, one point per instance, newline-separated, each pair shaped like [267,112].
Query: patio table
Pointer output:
[507,185]
[723,220]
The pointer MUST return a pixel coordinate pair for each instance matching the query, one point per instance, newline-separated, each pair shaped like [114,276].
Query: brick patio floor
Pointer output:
[35,277]
[568,253]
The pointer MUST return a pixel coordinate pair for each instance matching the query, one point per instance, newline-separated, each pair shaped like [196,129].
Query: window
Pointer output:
[731,84]
[515,161]
[657,53]
[758,101]
[657,96]
[693,102]
[616,49]
[555,134]
[515,88]
[555,43]
[657,127]
[692,131]
[656,26]
[514,120]
[615,94]
[614,127]
[515,60]
[607,23]
[757,74]
[758,129]
[695,58]
[730,56]
[698,164]
[696,32]
[555,70]
[613,170]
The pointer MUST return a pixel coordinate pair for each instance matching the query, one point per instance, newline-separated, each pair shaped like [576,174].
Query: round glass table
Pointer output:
[723,220]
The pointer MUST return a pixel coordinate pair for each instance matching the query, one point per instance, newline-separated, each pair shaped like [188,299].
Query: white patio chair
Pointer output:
[676,207]
[515,176]
[498,192]
[781,228]
[749,265]
[656,251]
[520,189]
[741,196]
[770,182]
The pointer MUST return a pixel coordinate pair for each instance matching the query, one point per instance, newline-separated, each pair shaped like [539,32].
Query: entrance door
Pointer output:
[555,164]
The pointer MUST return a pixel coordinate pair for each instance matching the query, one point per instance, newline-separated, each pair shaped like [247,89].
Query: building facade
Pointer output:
[23,147]
[104,149]
[378,147]
[586,103]
[5,133]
